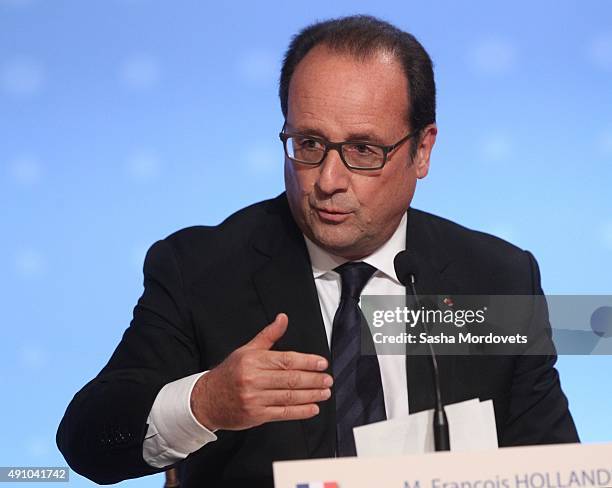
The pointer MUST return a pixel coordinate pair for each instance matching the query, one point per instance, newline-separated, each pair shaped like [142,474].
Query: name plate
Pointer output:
[554,466]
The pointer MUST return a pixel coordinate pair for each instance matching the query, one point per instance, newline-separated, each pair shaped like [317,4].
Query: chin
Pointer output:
[337,241]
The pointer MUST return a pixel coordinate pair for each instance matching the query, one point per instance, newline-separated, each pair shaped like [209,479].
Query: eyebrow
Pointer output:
[353,136]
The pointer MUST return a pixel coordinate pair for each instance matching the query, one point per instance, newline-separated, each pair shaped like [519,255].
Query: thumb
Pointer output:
[270,334]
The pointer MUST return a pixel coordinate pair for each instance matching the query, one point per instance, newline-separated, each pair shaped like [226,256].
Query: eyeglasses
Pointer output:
[360,155]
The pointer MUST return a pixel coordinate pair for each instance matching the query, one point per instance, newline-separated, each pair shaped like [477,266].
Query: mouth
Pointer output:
[331,215]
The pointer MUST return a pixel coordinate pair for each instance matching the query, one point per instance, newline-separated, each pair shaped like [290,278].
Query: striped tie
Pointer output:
[357,384]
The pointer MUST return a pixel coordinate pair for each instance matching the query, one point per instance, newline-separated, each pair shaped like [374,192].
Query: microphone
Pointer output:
[406,269]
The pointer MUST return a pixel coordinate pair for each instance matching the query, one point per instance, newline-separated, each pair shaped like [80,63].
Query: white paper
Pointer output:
[471,427]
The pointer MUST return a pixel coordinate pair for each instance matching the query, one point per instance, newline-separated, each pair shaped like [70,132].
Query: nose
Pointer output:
[334,176]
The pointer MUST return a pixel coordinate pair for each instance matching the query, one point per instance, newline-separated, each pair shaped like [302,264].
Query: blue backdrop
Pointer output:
[124,120]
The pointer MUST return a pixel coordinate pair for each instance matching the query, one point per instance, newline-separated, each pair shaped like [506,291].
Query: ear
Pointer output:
[423,153]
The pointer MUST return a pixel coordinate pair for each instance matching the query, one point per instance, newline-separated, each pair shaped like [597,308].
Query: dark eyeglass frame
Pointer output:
[338,147]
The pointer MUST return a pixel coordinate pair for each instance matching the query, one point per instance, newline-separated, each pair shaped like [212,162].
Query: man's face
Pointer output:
[347,212]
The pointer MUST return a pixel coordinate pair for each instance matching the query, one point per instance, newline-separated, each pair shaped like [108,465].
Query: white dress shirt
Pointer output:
[174,432]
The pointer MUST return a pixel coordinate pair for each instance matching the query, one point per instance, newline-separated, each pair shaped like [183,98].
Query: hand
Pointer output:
[255,385]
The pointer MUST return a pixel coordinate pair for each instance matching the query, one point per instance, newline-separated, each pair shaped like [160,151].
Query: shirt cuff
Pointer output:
[174,432]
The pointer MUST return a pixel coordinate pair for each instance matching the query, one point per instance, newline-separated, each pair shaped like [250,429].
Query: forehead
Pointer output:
[339,90]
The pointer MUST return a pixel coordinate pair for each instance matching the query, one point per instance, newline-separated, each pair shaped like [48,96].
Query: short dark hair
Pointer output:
[362,36]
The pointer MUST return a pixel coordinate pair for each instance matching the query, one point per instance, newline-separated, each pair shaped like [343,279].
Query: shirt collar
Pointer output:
[382,259]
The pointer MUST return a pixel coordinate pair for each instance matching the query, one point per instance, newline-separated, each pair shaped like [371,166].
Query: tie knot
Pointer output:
[354,276]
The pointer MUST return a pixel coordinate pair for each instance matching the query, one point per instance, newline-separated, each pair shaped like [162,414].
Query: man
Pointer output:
[241,350]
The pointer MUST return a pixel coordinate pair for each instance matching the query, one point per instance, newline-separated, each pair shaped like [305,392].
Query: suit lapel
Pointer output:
[284,282]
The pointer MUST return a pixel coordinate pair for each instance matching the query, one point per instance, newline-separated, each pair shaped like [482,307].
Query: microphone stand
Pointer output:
[440,421]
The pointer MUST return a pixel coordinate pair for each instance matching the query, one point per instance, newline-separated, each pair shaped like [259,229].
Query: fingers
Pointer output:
[285,360]
[269,334]
[293,380]
[290,360]
[295,412]
[294,397]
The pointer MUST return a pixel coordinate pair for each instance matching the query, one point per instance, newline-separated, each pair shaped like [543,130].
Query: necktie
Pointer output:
[357,384]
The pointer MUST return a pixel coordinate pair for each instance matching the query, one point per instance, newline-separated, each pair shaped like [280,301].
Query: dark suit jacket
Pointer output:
[209,290]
